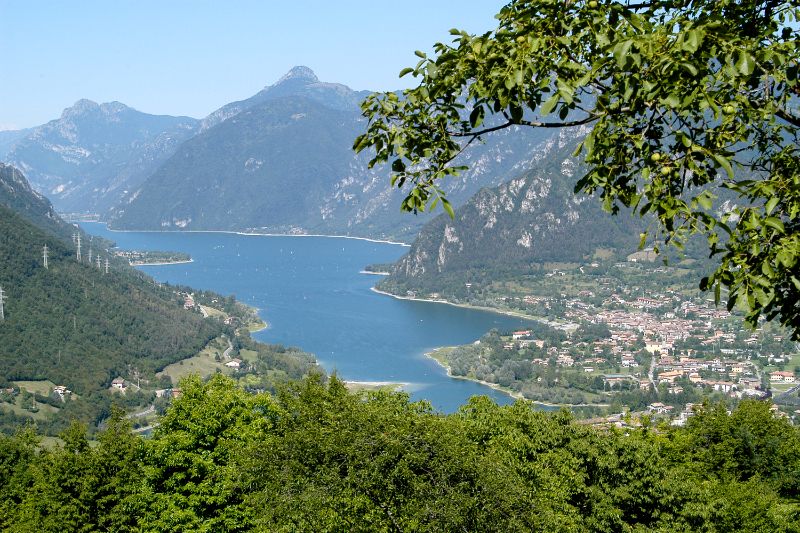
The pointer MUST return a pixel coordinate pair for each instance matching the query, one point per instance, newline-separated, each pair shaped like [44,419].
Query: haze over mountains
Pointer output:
[282,162]
[279,161]
[85,160]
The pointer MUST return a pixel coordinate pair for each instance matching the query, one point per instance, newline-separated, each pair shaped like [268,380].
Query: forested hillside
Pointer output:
[317,458]
[74,324]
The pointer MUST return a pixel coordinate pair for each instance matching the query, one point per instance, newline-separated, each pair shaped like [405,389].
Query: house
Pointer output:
[781,377]
[750,383]
[659,408]
[520,334]
[176,393]
[234,363]
[613,379]
[723,386]
[62,391]
[628,361]
[119,384]
[669,377]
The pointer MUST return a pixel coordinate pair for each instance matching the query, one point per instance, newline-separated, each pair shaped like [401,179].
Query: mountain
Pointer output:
[88,158]
[533,219]
[17,194]
[282,162]
[8,138]
[72,322]
[299,81]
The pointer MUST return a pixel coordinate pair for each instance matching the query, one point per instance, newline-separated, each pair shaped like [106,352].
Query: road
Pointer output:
[652,371]
[228,350]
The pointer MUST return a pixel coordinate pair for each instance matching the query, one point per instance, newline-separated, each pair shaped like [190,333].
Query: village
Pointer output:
[632,328]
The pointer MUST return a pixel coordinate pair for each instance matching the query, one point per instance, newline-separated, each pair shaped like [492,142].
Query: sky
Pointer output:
[182,57]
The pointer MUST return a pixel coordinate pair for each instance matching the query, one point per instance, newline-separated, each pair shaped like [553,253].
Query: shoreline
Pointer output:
[255,234]
[375,383]
[509,392]
[463,306]
[512,393]
[137,264]
[371,273]
[261,328]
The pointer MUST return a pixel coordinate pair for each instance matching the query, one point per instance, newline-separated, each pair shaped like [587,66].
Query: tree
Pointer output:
[691,112]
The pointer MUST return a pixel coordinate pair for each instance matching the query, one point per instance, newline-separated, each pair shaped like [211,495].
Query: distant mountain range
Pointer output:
[87,159]
[282,162]
[279,161]
[509,229]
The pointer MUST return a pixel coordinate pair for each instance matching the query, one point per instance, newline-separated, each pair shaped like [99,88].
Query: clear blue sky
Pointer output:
[183,57]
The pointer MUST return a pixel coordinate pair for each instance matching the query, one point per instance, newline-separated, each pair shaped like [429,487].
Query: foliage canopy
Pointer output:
[690,107]
[317,458]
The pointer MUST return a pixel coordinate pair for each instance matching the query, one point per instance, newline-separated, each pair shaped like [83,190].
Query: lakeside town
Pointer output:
[631,340]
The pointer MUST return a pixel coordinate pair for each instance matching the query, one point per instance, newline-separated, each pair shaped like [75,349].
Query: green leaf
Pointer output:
[692,40]
[405,71]
[705,201]
[775,223]
[673,100]
[770,207]
[724,163]
[745,64]
[476,116]
[549,105]
[447,207]
[620,52]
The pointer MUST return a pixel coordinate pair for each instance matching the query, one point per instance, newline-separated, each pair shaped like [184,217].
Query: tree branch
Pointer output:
[532,124]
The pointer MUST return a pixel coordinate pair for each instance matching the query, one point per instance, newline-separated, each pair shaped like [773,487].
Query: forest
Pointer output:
[315,457]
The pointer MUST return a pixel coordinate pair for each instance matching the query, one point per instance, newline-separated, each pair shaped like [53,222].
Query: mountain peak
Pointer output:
[301,73]
[111,108]
[80,107]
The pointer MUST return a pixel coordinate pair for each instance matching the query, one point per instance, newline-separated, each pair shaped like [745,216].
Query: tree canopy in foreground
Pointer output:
[317,458]
[691,111]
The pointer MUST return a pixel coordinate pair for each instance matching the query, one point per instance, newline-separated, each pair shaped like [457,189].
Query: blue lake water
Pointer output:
[311,293]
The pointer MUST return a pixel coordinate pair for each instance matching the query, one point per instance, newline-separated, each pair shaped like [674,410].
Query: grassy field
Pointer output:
[248,355]
[41,414]
[203,363]
[258,325]
[37,387]
[214,312]
[440,354]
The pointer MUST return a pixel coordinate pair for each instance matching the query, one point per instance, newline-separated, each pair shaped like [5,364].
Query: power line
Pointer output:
[79,247]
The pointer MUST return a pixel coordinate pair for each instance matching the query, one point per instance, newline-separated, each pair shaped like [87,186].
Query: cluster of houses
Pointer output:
[737,378]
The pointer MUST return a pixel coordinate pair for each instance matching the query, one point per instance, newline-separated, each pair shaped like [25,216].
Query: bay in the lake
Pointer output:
[311,293]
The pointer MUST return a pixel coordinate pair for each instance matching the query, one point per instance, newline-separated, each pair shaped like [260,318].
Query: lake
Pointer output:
[310,292]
